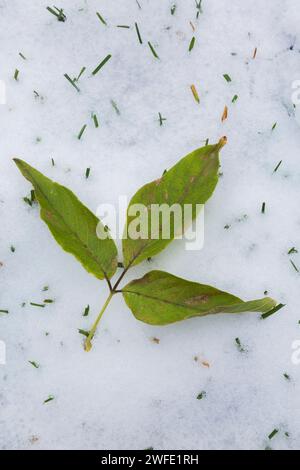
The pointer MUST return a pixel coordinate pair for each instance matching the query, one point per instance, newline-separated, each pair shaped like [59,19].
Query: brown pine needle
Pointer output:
[195,93]
[225,114]
[254,53]
[192,26]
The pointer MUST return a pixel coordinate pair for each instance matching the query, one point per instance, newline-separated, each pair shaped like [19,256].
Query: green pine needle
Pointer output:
[34,364]
[153,50]
[192,43]
[86,311]
[71,81]
[274,126]
[138,33]
[95,119]
[227,78]
[271,312]
[239,345]
[161,119]
[273,433]
[294,266]
[81,132]
[59,13]
[101,18]
[81,73]
[114,105]
[50,398]
[277,166]
[106,59]
[83,332]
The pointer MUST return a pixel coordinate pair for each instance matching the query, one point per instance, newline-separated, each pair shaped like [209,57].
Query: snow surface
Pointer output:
[129,392]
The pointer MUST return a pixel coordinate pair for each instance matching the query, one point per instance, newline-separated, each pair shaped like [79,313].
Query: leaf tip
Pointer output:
[222,142]
[20,164]
[17,161]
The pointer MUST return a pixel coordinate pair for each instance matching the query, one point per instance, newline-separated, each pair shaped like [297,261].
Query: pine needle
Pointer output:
[227,78]
[138,33]
[71,81]
[195,93]
[192,43]
[277,166]
[101,18]
[153,50]
[95,119]
[271,312]
[225,114]
[81,132]
[106,59]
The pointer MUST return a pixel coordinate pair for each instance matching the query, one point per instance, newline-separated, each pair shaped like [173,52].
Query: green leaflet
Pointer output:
[191,181]
[159,298]
[72,224]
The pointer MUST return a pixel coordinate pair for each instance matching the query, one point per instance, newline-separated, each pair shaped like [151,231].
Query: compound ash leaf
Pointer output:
[159,298]
[72,224]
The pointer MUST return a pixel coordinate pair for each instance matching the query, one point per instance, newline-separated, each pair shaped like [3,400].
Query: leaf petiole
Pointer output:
[88,341]
[113,290]
[120,279]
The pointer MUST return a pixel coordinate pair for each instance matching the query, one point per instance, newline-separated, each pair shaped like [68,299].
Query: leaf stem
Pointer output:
[109,284]
[88,341]
[120,279]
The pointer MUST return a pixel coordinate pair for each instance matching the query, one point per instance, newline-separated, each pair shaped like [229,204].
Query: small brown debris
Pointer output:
[254,53]
[33,439]
[205,364]
[202,362]
[155,340]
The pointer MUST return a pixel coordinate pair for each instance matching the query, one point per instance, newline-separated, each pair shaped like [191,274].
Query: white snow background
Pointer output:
[129,392]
